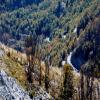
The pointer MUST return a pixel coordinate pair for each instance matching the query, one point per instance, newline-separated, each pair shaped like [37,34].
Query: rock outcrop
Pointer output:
[10,90]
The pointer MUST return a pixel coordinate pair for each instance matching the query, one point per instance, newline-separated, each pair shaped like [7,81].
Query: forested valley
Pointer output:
[49,49]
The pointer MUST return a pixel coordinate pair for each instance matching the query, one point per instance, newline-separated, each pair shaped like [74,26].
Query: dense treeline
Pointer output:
[46,20]
[91,46]
[9,5]
[53,19]
[68,24]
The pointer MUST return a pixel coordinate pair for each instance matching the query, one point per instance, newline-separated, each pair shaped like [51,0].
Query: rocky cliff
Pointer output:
[10,90]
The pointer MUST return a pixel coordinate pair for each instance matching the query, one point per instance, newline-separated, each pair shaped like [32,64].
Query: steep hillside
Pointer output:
[10,5]
[88,48]
[9,89]
[13,80]
[52,47]
[54,19]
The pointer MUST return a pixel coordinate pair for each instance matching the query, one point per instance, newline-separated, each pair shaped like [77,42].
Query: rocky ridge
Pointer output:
[10,90]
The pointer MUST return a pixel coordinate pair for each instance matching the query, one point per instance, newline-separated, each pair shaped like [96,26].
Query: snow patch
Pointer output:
[69,61]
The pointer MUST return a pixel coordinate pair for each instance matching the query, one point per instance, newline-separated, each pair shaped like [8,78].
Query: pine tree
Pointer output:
[30,44]
[47,75]
[67,89]
[82,85]
[39,55]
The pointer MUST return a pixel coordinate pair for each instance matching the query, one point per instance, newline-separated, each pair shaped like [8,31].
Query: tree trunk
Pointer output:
[82,86]
[47,77]
[87,87]
[40,80]
[91,88]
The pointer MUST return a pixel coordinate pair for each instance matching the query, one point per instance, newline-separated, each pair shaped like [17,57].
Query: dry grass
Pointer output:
[15,70]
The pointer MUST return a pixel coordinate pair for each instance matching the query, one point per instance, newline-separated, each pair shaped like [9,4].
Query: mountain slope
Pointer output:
[50,18]
[88,48]
[10,5]
[9,89]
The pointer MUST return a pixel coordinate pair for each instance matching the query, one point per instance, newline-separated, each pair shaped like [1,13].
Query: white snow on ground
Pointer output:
[69,61]
[75,71]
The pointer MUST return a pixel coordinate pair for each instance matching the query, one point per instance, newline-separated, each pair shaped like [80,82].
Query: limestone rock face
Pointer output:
[10,90]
